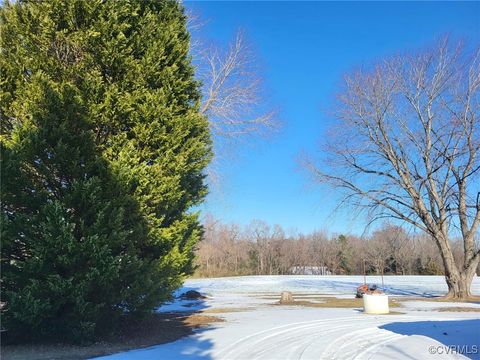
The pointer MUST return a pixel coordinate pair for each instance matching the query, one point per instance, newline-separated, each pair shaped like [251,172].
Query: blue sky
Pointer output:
[304,49]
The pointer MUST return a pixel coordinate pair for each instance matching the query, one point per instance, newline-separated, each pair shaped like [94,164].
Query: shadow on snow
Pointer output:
[462,336]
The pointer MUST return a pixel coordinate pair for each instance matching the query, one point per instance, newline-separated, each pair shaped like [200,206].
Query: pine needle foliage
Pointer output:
[103,153]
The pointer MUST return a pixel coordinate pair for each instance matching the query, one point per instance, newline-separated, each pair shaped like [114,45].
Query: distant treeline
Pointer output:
[261,249]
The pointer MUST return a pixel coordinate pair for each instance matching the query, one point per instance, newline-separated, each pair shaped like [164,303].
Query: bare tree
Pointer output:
[232,90]
[232,93]
[427,257]
[261,249]
[398,247]
[406,147]
[322,253]
[377,252]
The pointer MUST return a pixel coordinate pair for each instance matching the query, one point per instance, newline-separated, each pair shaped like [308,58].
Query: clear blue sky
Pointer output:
[304,49]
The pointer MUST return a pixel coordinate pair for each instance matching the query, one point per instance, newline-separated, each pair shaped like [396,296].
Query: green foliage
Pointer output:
[427,266]
[103,152]
[345,255]
[391,266]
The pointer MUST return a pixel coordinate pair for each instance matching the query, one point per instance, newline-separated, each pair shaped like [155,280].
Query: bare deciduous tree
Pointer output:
[260,249]
[400,248]
[232,90]
[406,146]
[232,93]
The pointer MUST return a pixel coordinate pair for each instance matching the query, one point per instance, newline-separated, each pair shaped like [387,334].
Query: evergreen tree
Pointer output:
[103,152]
[345,255]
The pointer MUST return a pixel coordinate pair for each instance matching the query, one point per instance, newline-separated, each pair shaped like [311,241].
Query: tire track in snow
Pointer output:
[355,337]
[314,349]
[356,343]
[364,343]
[373,349]
[252,340]
[307,340]
[295,341]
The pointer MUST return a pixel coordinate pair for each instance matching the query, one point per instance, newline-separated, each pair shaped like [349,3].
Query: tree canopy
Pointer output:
[103,156]
[406,146]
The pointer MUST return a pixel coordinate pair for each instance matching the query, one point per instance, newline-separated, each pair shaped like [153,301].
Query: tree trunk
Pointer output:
[459,282]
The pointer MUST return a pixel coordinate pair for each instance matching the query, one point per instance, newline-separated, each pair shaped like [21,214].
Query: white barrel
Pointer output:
[375,304]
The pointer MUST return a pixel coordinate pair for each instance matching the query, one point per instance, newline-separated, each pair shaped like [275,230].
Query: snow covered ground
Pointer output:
[254,328]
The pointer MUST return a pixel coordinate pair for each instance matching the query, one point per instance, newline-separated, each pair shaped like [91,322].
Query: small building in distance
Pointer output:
[310,270]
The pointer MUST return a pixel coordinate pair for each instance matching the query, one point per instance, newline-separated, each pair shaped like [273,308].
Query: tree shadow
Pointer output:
[160,336]
[172,336]
[175,332]
[351,286]
[463,335]
[194,347]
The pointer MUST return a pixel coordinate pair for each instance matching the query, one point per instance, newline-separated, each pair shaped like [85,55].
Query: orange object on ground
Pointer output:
[362,289]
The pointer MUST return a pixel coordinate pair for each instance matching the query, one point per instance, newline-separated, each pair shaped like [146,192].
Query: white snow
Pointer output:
[264,331]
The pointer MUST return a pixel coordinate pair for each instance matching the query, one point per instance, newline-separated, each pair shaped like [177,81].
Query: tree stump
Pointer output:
[286,297]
